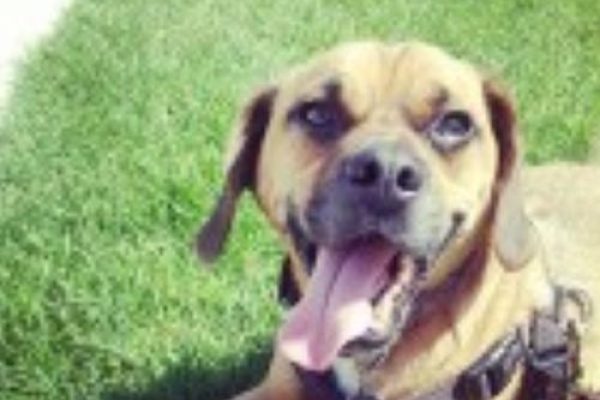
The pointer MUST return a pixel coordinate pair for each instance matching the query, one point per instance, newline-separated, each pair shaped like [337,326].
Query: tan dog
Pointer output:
[391,174]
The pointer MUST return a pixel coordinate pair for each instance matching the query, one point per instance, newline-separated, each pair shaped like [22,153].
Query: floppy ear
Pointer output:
[512,235]
[240,173]
[288,290]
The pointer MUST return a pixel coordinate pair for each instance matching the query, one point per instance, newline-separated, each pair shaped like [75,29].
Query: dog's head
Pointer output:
[380,166]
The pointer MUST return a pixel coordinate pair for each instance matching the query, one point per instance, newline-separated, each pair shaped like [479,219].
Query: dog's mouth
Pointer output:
[352,290]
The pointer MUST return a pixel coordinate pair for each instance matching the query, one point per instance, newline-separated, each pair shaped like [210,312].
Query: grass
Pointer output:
[110,157]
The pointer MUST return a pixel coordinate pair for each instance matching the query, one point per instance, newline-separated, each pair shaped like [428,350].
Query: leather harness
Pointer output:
[547,350]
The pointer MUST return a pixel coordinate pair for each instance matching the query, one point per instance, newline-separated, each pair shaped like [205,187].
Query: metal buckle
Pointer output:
[552,358]
[550,351]
[492,372]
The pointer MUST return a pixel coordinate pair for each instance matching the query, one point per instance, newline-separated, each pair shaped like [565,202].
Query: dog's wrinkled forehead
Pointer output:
[410,77]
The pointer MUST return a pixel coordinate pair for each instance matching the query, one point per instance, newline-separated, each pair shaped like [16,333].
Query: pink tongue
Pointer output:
[336,307]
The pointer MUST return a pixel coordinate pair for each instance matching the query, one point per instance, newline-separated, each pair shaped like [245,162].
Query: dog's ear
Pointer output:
[513,235]
[288,290]
[240,172]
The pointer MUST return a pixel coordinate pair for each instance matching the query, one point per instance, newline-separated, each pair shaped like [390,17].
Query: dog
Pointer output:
[423,261]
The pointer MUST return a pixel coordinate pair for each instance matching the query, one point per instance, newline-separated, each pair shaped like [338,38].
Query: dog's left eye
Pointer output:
[319,117]
[451,130]
[317,114]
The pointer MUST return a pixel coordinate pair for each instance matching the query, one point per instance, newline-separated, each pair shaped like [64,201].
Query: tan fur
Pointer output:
[391,90]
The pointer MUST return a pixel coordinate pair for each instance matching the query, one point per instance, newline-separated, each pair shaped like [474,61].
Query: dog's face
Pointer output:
[375,140]
[378,165]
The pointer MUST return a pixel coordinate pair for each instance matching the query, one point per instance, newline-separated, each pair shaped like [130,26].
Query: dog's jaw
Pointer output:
[357,303]
[337,305]
[393,310]
[385,281]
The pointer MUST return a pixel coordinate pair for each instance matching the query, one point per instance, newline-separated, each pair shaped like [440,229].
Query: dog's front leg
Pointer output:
[281,383]
[256,393]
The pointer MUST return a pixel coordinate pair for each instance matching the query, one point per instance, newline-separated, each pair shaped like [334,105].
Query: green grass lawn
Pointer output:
[110,157]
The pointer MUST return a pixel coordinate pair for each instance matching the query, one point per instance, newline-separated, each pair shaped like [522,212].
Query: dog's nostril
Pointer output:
[363,171]
[408,180]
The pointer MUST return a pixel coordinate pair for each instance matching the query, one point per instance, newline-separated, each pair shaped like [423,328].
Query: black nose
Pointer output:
[388,174]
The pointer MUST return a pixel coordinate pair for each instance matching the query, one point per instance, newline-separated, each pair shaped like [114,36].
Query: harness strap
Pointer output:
[549,352]
[492,372]
[553,360]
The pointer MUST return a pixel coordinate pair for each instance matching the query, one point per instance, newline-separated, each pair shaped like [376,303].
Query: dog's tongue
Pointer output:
[336,307]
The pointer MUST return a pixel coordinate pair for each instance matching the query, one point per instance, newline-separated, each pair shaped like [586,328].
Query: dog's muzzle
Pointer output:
[383,180]
[369,233]
[367,193]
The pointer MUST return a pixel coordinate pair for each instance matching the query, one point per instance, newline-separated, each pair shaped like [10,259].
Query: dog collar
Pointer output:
[548,350]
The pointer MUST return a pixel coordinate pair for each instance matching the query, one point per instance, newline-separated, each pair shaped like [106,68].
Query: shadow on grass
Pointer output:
[195,379]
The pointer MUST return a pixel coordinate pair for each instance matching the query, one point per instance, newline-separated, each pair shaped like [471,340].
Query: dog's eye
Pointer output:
[317,115]
[323,119]
[451,130]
